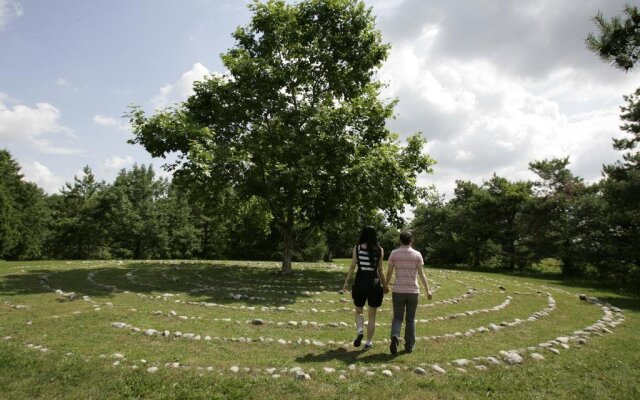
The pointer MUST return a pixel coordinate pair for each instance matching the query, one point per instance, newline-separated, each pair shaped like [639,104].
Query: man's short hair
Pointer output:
[406,237]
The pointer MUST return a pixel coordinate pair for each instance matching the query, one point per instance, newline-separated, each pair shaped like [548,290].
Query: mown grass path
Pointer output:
[215,329]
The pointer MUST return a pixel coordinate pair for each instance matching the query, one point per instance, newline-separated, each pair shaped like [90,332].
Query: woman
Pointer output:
[369,286]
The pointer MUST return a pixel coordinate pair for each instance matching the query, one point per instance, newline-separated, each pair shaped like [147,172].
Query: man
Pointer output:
[408,265]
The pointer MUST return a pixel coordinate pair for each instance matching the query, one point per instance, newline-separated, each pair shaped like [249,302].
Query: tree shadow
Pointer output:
[203,281]
[348,357]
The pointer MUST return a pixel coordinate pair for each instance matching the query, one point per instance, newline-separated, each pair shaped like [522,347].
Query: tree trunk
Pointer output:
[476,253]
[287,252]
[512,254]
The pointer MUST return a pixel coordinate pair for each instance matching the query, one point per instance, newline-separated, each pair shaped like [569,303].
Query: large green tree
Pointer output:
[297,120]
[23,213]
[553,219]
[618,41]
[78,224]
[135,222]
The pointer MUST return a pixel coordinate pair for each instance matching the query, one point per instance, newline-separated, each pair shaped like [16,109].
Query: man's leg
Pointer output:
[398,315]
[410,327]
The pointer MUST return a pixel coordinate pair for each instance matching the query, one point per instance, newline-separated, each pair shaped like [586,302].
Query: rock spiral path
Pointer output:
[169,327]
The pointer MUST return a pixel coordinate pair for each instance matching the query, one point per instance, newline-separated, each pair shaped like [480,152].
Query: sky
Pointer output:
[491,84]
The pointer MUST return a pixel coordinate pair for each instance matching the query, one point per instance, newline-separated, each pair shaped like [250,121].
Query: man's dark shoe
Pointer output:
[394,345]
[408,349]
[358,339]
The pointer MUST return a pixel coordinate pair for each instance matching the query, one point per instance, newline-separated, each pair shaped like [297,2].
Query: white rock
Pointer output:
[419,371]
[492,361]
[386,372]
[329,370]
[512,358]
[234,369]
[462,362]
[537,356]
[152,370]
[438,369]
[150,332]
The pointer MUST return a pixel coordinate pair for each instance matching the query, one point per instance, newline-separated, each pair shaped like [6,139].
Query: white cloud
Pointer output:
[43,177]
[114,164]
[62,82]
[9,10]
[24,124]
[181,89]
[484,113]
[111,122]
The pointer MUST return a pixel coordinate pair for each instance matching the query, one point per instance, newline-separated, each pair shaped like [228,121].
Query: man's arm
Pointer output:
[423,278]
[345,287]
[390,269]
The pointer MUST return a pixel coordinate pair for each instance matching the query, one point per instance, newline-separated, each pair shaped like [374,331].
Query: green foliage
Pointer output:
[618,39]
[297,121]
[23,213]
[78,230]
[618,253]
[553,221]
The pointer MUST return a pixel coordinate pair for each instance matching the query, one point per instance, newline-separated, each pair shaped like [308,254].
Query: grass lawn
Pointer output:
[240,330]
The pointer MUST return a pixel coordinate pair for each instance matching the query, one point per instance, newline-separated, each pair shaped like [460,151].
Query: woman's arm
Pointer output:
[345,287]
[383,281]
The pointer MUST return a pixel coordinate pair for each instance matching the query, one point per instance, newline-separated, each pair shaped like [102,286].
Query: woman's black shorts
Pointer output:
[368,291]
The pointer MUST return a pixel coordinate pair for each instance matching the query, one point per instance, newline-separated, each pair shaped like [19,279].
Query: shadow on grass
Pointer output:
[348,357]
[207,282]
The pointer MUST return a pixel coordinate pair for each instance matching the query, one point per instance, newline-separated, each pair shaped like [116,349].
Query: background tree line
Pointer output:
[142,216]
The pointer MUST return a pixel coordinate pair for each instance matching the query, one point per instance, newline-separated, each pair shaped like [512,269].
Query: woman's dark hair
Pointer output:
[369,236]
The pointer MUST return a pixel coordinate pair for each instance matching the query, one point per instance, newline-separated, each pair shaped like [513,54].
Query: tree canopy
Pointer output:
[297,122]
[618,39]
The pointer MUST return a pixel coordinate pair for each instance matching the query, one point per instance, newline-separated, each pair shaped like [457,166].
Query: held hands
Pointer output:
[345,288]
[385,289]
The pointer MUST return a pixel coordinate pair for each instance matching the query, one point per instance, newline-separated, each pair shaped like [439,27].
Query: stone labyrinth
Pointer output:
[243,318]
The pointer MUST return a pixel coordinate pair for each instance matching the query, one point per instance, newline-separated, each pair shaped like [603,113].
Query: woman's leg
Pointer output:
[371,325]
[359,320]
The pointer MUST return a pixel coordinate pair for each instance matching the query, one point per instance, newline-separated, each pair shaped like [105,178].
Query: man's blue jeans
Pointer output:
[404,307]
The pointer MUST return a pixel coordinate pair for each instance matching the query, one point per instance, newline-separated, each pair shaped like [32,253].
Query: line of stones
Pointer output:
[91,278]
[551,306]
[304,323]
[612,317]
[510,357]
